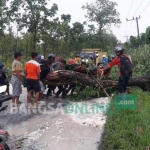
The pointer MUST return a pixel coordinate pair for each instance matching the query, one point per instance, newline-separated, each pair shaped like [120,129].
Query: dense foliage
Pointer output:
[27,26]
[144,39]
[140,57]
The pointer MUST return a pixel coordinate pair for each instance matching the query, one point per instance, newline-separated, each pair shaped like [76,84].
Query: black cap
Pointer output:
[16,54]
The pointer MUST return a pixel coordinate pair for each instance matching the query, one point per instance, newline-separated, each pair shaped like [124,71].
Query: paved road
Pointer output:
[55,125]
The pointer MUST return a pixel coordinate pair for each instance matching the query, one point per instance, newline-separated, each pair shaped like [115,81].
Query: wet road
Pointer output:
[55,125]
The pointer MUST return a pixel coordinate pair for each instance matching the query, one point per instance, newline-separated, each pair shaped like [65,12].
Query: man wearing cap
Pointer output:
[17,78]
[71,65]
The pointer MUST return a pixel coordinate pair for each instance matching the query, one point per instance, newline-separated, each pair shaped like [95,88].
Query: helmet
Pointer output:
[97,54]
[119,49]
[71,62]
[51,55]
[104,56]
[41,57]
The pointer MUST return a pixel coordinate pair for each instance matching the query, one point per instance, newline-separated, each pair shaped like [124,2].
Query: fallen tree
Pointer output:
[69,77]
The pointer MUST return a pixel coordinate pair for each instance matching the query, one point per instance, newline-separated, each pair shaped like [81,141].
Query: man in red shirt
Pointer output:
[123,78]
[32,70]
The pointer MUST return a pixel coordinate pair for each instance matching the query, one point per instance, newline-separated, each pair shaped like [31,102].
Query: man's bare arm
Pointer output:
[18,75]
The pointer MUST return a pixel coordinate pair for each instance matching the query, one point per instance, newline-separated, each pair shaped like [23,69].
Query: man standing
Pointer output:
[51,58]
[61,88]
[16,79]
[124,63]
[32,70]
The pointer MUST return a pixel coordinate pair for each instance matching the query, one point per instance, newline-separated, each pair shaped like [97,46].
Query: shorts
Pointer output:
[16,85]
[33,85]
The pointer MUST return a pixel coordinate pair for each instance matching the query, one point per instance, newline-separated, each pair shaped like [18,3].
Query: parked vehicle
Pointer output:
[94,54]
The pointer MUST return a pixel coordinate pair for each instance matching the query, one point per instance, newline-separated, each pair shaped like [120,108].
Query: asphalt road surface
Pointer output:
[57,124]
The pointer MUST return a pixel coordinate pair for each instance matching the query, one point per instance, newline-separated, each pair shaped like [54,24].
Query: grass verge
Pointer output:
[128,130]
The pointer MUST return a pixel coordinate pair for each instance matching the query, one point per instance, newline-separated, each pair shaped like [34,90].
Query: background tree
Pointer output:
[38,29]
[65,28]
[103,12]
[76,36]
[3,16]
[51,35]
[133,41]
[143,38]
[147,35]
[91,35]
[35,13]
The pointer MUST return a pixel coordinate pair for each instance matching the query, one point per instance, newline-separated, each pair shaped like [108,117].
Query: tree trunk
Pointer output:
[70,77]
[34,42]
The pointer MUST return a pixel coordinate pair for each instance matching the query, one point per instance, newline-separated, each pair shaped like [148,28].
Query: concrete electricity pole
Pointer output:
[137,28]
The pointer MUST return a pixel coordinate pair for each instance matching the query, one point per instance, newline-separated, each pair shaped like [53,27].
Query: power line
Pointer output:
[128,15]
[130,26]
[137,18]
[145,8]
[130,8]
[134,15]
[138,7]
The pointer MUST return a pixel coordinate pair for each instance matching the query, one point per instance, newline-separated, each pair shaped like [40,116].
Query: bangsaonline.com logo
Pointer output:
[126,102]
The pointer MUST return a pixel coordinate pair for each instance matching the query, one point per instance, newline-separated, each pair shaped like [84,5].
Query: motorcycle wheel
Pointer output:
[6,147]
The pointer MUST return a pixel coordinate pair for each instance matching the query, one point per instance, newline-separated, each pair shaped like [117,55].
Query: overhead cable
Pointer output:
[145,8]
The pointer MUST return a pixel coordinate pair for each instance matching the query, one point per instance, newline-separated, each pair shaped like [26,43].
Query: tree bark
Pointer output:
[70,77]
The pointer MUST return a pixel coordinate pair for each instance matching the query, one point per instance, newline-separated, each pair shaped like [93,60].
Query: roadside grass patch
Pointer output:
[128,129]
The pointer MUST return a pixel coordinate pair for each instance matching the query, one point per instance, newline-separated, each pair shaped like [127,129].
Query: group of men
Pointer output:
[37,69]
[62,64]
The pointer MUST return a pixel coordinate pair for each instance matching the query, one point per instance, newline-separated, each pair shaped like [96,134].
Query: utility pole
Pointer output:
[137,28]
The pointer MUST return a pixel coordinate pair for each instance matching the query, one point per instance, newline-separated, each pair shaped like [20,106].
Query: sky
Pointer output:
[126,8]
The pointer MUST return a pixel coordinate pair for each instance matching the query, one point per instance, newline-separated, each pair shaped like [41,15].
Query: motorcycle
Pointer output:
[4,135]
[4,79]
